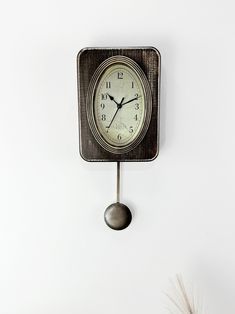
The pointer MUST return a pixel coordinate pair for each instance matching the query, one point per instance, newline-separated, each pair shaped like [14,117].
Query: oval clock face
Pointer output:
[119,107]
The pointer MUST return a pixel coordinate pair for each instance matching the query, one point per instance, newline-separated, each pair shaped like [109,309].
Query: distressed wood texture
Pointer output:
[148,58]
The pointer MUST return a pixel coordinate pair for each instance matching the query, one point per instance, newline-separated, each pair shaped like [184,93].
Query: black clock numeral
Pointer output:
[108,84]
[104,96]
[131,129]
[120,75]
[102,106]
[136,95]
[103,117]
[137,106]
[132,84]
[119,137]
[136,117]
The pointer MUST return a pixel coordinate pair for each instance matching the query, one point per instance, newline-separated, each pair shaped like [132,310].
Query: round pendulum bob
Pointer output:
[117,216]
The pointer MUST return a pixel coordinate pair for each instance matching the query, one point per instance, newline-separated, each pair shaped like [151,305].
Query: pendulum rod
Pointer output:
[118,182]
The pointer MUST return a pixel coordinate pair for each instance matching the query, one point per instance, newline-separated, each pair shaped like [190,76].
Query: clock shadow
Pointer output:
[168,86]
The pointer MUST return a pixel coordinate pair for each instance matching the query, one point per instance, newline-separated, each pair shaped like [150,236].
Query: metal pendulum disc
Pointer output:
[117,215]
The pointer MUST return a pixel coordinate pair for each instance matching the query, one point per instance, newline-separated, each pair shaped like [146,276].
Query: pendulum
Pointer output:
[117,215]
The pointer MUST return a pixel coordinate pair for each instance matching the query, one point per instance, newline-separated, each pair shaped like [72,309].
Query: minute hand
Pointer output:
[130,101]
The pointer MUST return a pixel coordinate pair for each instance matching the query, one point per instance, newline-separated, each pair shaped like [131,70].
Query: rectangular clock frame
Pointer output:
[88,59]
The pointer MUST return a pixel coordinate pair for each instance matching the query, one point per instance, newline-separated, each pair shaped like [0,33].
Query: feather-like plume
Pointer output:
[182,302]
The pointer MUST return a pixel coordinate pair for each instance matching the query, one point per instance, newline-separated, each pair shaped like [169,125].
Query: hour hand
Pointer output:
[112,99]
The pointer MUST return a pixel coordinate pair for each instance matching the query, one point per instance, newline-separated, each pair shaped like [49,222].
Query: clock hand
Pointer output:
[112,98]
[131,100]
[119,107]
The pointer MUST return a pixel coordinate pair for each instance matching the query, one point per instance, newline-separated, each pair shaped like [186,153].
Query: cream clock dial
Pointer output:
[119,105]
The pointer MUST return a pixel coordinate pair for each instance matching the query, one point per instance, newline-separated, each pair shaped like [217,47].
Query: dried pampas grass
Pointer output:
[181,301]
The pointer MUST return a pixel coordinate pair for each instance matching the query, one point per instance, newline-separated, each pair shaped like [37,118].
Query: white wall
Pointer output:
[56,253]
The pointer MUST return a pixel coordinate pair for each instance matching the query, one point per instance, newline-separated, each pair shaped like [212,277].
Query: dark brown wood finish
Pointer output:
[148,58]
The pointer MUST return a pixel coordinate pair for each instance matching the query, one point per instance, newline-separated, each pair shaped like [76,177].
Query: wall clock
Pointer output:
[118,98]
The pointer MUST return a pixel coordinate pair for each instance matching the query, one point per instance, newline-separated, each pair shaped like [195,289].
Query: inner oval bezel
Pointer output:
[91,98]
